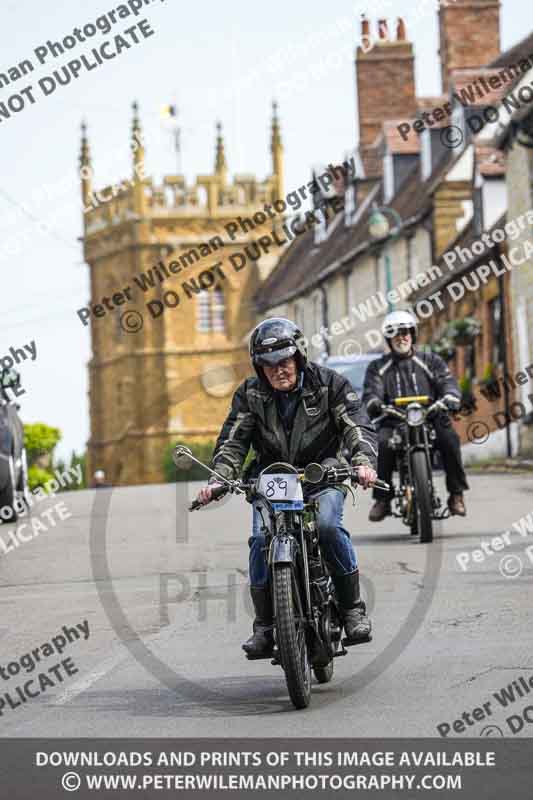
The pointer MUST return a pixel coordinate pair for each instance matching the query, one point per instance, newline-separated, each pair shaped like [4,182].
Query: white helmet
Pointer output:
[397,321]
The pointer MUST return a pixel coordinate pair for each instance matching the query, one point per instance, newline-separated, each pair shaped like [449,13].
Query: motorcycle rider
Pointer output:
[406,372]
[297,412]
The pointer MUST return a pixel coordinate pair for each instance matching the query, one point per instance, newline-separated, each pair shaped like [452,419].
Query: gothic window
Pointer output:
[211,311]
[218,310]
[203,316]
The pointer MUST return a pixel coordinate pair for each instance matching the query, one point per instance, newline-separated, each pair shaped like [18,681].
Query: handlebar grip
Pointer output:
[216,493]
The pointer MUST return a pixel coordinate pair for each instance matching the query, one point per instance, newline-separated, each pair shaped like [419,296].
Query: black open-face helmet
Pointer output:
[275,339]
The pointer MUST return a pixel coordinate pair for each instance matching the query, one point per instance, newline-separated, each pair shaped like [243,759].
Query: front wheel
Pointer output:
[291,638]
[423,513]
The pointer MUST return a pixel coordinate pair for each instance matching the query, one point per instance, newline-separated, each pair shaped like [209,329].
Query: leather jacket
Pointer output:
[329,415]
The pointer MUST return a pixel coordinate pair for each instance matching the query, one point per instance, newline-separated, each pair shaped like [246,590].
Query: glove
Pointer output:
[450,402]
[374,407]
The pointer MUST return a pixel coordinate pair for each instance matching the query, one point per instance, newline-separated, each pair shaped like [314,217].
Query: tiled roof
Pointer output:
[472,85]
[464,239]
[515,54]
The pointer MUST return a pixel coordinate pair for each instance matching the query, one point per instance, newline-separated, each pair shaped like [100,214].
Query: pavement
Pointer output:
[164,594]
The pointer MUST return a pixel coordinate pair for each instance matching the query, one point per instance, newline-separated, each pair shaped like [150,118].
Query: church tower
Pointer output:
[171,310]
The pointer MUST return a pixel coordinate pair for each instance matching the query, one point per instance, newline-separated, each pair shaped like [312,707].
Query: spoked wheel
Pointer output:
[423,513]
[291,639]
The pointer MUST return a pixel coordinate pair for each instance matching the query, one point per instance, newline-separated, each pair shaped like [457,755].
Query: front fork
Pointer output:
[414,441]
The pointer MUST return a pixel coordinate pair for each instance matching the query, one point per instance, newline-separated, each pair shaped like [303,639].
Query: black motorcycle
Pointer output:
[13,461]
[307,618]
[413,441]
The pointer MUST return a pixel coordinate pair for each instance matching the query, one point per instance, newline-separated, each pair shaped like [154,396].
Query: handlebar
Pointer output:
[326,475]
[391,411]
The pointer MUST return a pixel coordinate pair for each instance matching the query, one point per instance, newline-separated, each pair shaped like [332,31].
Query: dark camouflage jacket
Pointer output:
[329,413]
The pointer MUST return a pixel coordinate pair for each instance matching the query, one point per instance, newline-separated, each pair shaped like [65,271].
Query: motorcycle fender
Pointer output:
[283,550]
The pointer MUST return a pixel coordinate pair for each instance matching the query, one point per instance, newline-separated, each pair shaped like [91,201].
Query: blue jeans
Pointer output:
[335,543]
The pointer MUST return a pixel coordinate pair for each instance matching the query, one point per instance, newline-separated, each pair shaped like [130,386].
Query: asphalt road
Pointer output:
[165,598]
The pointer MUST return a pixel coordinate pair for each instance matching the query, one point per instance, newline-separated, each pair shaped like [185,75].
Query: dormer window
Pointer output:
[458,121]
[425,141]
[388,177]
[349,204]
[321,228]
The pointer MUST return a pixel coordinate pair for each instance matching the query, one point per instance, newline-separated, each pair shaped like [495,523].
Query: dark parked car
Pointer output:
[13,461]
[353,368]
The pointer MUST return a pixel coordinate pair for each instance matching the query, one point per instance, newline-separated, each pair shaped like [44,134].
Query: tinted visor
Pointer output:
[393,330]
[269,357]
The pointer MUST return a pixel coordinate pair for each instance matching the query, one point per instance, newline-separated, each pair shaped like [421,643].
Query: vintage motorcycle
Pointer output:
[416,500]
[13,462]
[307,619]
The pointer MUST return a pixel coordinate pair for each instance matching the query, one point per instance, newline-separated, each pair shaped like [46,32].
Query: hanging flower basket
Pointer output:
[463,331]
[444,347]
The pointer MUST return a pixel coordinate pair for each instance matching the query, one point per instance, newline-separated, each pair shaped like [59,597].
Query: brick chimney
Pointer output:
[385,78]
[469,33]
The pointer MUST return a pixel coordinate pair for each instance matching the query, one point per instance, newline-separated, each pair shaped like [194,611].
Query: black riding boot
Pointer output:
[353,610]
[261,642]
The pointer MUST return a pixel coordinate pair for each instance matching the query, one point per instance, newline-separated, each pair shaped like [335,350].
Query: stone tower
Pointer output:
[170,310]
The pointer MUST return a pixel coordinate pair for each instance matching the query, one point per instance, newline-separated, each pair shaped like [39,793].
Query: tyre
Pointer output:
[291,639]
[8,495]
[422,497]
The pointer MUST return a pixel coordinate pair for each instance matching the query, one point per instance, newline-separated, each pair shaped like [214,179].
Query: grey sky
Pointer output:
[223,61]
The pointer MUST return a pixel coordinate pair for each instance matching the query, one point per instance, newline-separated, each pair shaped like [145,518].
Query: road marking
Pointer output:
[85,683]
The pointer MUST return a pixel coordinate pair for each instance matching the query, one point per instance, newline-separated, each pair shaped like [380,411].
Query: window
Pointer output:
[321,227]
[218,310]
[203,317]
[210,311]
[349,204]
[425,141]
[496,331]
[388,178]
